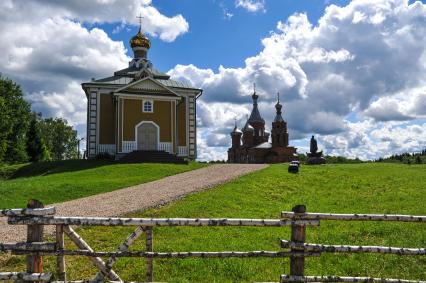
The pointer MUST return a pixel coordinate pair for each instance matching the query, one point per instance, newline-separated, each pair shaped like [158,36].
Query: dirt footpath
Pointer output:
[139,197]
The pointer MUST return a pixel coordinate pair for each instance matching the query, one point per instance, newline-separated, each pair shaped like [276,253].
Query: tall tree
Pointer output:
[60,138]
[36,148]
[14,122]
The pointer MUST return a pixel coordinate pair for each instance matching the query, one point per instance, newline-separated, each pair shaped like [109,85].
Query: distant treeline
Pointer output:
[407,157]
[333,159]
[25,135]
[303,158]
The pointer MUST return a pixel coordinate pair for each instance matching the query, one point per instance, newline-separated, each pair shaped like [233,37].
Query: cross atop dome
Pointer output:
[255,116]
[140,43]
[254,96]
[278,107]
[140,21]
[236,131]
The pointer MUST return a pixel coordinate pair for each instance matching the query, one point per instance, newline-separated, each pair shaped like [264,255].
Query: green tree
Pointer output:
[15,115]
[59,137]
[36,148]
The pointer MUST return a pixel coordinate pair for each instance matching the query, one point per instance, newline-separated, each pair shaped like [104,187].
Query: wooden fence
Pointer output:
[35,216]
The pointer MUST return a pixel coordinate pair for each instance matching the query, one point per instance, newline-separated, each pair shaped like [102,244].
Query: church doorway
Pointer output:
[147,135]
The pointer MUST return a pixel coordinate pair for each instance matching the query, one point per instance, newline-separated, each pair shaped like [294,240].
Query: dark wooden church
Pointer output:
[251,145]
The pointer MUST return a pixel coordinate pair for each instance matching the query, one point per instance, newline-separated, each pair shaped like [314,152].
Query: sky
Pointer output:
[352,73]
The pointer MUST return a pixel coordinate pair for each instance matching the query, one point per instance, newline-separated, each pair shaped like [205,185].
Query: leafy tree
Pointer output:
[36,148]
[343,160]
[59,137]
[15,115]
[302,157]
[418,159]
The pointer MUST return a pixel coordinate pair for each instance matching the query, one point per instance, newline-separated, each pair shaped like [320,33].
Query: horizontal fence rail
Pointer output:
[25,276]
[104,221]
[353,249]
[28,211]
[97,281]
[29,247]
[292,278]
[353,217]
[173,254]
[35,217]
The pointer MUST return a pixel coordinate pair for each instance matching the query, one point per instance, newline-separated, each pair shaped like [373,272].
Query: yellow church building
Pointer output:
[141,109]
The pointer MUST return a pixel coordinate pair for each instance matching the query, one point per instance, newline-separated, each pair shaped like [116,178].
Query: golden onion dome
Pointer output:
[140,40]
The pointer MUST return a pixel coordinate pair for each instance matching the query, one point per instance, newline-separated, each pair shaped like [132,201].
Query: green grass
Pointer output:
[356,188]
[60,181]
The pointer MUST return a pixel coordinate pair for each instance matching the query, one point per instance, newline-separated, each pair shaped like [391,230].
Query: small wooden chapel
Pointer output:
[140,108]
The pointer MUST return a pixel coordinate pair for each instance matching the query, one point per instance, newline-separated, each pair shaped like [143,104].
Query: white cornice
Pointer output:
[145,96]
[147,79]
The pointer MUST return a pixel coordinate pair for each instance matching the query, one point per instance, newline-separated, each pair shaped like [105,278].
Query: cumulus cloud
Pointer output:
[370,140]
[100,11]
[355,78]
[362,61]
[387,109]
[51,63]
[47,47]
[68,103]
[252,6]
[408,104]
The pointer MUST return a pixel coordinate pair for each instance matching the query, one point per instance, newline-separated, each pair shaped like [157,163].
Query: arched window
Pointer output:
[148,106]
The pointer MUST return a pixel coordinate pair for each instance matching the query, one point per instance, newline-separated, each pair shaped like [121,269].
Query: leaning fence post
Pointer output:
[34,234]
[60,259]
[149,248]
[298,235]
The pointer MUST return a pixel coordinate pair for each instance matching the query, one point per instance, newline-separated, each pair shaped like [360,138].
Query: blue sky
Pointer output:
[213,39]
[349,72]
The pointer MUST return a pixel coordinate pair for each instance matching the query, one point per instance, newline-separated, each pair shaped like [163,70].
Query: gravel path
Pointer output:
[139,197]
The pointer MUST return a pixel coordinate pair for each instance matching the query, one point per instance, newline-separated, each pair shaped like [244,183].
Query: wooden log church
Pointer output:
[140,108]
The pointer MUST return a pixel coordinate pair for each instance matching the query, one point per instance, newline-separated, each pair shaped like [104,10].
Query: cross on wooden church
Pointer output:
[140,20]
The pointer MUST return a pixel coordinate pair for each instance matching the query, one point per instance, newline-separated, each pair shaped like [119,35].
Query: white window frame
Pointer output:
[152,105]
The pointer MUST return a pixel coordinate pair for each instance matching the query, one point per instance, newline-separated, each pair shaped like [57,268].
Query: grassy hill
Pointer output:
[66,180]
[352,188]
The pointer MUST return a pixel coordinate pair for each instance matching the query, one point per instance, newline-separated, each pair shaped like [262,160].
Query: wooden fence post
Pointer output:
[34,234]
[297,263]
[149,248]
[60,259]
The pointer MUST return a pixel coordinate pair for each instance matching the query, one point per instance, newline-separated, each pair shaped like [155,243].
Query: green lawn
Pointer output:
[357,188]
[60,181]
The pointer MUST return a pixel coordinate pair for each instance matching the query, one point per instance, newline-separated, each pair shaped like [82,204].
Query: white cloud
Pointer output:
[387,109]
[252,6]
[47,47]
[51,64]
[68,103]
[355,78]
[361,61]
[99,11]
[369,140]
[227,15]
[406,105]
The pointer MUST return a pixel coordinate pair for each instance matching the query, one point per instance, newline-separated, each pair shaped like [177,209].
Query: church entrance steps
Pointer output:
[151,156]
